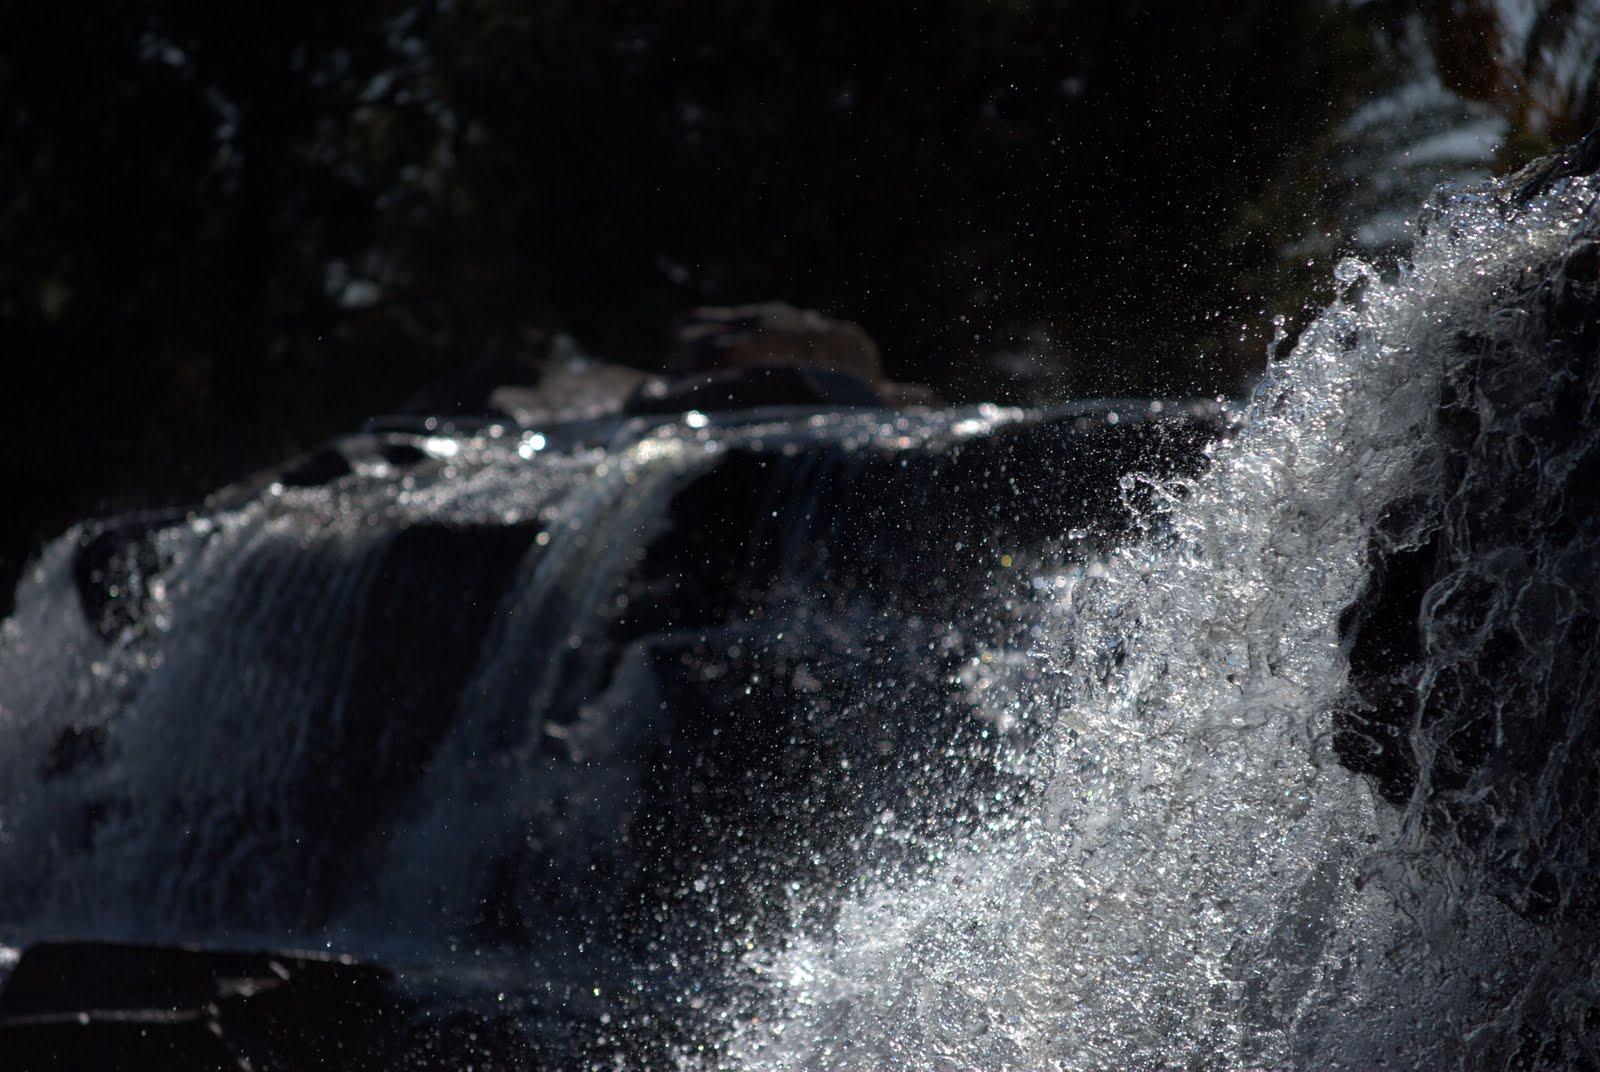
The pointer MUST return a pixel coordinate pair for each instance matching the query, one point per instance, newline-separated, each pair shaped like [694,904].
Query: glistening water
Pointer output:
[1199,881]
[976,739]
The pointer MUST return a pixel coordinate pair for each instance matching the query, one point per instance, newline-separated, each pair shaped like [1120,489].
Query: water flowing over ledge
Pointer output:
[977,739]
[1198,881]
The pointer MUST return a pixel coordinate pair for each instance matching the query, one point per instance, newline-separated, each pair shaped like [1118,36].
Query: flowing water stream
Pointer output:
[1198,881]
[1292,766]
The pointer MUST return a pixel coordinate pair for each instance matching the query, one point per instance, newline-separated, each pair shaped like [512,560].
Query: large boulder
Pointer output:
[464,684]
[772,353]
[719,358]
[714,338]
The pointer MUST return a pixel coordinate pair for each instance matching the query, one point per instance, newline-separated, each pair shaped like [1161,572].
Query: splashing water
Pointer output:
[1198,882]
[1308,782]
[196,778]
[331,708]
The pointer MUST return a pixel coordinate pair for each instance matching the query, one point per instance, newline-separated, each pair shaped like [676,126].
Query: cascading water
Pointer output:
[1064,744]
[195,705]
[1197,880]
[195,744]
[439,690]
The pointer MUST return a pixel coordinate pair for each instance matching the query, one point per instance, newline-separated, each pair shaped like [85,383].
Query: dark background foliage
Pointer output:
[231,230]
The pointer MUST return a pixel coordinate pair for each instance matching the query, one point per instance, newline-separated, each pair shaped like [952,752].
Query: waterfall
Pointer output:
[346,702]
[1197,880]
[208,748]
[1077,738]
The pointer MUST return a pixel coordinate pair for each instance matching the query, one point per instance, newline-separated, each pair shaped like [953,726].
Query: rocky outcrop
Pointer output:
[782,646]
[718,338]
[719,358]
[571,388]
[772,353]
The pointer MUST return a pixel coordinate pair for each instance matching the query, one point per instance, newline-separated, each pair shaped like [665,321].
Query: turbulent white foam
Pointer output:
[1194,884]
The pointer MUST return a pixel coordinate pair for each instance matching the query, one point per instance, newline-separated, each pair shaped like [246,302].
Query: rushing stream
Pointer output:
[1199,882]
[975,739]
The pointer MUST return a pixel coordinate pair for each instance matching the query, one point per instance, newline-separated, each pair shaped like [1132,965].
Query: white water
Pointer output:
[1198,883]
[225,697]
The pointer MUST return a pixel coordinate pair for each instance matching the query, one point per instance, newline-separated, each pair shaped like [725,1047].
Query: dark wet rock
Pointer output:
[115,562]
[138,1041]
[115,975]
[129,1008]
[930,526]
[401,452]
[752,388]
[1468,686]
[679,713]
[778,709]
[714,338]
[1582,158]
[316,469]
[740,670]
[572,388]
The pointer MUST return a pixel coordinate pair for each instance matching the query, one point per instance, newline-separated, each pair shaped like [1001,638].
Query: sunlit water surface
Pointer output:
[1198,882]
